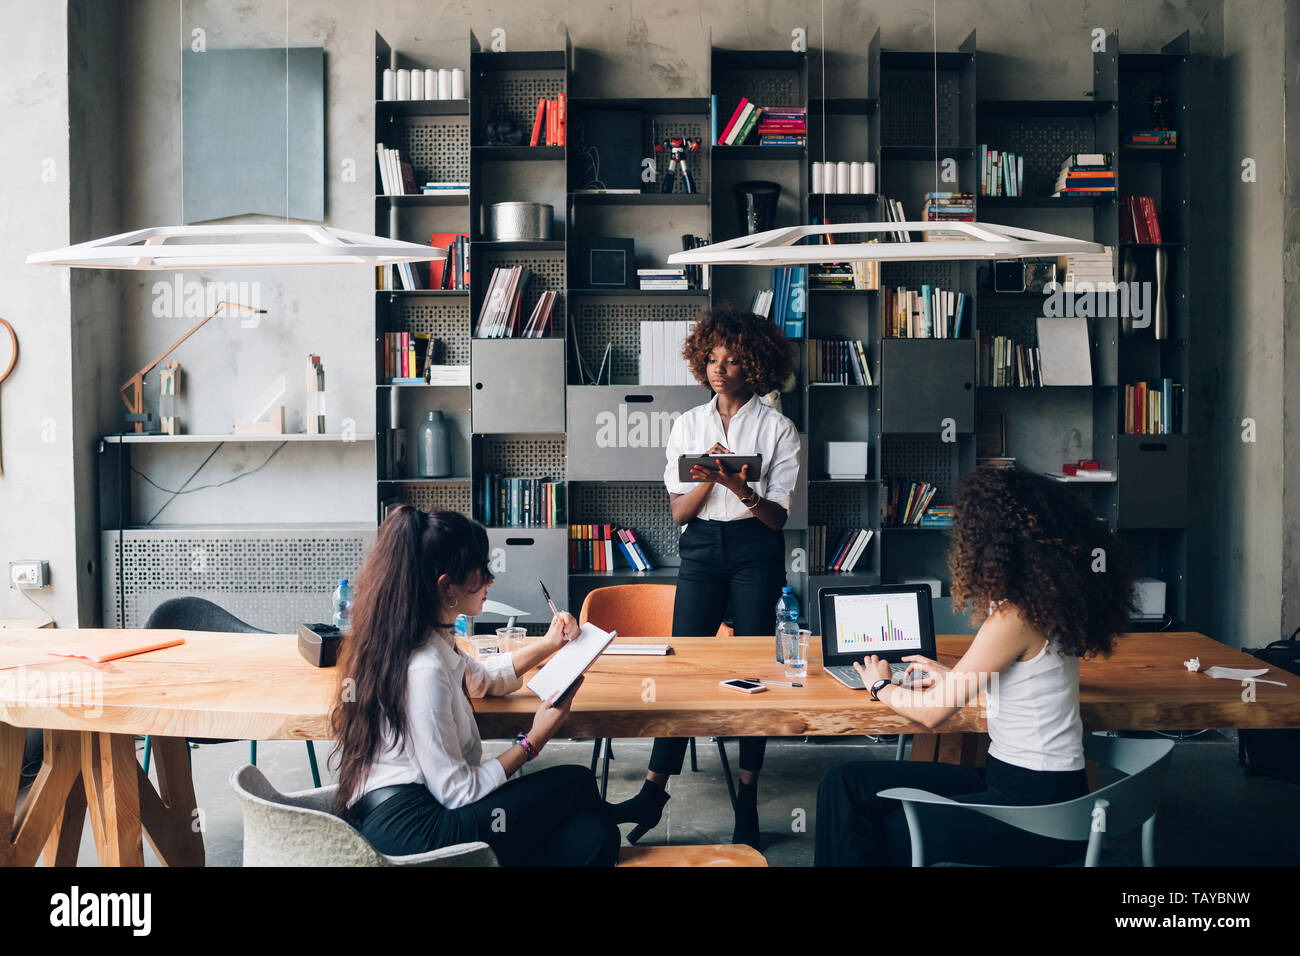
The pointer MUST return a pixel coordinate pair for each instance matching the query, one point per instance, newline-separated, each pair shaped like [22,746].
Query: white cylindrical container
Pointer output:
[817,182]
[417,84]
[855,177]
[841,177]
[390,85]
[430,84]
[457,84]
[403,84]
[868,177]
[444,84]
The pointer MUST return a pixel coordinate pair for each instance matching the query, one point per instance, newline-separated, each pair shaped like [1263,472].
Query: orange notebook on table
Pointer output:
[101,649]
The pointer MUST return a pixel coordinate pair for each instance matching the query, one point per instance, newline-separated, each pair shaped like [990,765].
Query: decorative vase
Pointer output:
[756,204]
[1162,300]
[435,447]
[1128,272]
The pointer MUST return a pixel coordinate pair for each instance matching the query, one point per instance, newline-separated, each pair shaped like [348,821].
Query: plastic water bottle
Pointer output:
[342,599]
[461,626]
[787,620]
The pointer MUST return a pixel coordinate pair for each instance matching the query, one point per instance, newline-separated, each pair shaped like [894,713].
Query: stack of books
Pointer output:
[500,316]
[894,213]
[520,502]
[1005,363]
[845,554]
[838,361]
[842,275]
[445,189]
[783,126]
[1086,174]
[1153,408]
[662,278]
[605,547]
[786,303]
[661,353]
[743,122]
[947,207]
[906,502]
[1088,268]
[1138,221]
[937,516]
[1001,173]
[408,358]
[1152,139]
[549,122]
[925,313]
[396,174]
[1083,470]
[452,272]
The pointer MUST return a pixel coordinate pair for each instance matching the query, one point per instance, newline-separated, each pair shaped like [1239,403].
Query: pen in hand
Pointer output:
[547,594]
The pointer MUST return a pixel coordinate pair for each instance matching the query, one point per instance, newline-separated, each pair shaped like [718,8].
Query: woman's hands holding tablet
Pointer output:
[737,483]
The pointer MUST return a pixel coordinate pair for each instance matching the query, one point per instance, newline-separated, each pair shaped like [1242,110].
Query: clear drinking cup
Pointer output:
[794,648]
[486,645]
[511,638]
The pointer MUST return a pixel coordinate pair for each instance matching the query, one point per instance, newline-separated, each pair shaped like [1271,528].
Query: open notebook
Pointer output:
[570,662]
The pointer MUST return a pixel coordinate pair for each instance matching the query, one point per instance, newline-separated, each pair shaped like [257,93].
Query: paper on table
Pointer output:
[1241,673]
[570,661]
[110,648]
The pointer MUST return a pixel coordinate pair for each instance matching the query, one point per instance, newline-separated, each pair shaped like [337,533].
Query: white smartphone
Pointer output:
[744,686]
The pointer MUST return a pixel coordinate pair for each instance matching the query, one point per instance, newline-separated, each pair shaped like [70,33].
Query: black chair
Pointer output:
[196,614]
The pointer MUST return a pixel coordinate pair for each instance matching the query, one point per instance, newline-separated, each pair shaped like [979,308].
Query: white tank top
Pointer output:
[1033,713]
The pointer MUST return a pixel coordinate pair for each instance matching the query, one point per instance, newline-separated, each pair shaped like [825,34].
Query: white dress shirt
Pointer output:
[442,749]
[754,429]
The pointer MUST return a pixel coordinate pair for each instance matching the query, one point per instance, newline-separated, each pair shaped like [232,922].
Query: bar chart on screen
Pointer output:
[876,621]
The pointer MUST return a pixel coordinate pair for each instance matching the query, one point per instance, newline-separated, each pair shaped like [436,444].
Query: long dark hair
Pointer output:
[1030,541]
[397,604]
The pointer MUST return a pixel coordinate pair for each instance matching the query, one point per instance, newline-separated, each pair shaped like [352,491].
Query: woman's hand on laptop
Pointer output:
[932,669]
[564,628]
[872,669]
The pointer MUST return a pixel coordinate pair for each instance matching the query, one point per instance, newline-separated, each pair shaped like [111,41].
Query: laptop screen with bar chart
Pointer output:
[891,621]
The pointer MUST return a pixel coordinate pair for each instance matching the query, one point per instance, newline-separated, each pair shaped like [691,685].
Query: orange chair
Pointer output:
[640,610]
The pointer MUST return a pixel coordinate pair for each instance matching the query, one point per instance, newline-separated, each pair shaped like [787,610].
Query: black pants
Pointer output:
[857,828]
[738,561]
[554,817]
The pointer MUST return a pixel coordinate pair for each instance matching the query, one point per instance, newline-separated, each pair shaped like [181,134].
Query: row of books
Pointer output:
[925,313]
[948,207]
[906,502]
[776,125]
[1086,174]
[1001,173]
[1005,363]
[697,277]
[838,361]
[894,213]
[396,174]
[662,277]
[1138,221]
[520,502]
[786,303]
[863,274]
[452,272]
[550,121]
[501,313]
[1153,408]
[410,358]
[1151,139]
[938,516]
[605,547]
[661,353]
[845,553]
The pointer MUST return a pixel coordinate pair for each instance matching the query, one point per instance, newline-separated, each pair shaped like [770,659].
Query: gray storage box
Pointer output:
[517,385]
[1151,482]
[924,381]
[619,432]
[520,557]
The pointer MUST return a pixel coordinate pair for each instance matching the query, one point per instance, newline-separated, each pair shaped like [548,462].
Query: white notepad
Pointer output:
[570,661]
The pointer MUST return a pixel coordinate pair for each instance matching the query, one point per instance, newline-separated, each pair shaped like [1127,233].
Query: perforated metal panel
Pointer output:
[913,275]
[608,321]
[437,148]
[547,274]
[448,323]
[762,87]
[839,506]
[907,100]
[524,457]
[1044,143]
[1018,320]
[658,128]
[641,506]
[921,459]
[273,579]
[439,497]
[838,214]
[519,90]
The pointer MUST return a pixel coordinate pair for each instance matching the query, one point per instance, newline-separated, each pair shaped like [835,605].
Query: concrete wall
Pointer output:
[1291,307]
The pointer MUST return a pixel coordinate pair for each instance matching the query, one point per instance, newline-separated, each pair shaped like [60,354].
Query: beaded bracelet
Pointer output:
[523,741]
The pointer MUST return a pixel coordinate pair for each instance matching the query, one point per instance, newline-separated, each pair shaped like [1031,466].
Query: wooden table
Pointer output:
[255,686]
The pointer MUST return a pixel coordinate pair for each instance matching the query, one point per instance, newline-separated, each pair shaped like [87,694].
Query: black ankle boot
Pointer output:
[644,810]
[746,830]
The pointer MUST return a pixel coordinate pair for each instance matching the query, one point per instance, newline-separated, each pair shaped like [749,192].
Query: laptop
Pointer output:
[888,620]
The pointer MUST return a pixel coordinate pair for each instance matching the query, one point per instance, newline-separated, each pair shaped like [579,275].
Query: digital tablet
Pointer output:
[732,463]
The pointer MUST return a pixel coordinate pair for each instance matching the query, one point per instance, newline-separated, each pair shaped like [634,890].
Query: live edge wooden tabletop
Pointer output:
[257,687]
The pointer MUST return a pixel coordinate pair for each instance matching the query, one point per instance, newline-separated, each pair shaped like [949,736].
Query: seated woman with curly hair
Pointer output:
[1023,556]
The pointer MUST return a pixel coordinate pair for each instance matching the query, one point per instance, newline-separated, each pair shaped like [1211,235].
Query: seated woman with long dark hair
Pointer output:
[411,772]
[1052,586]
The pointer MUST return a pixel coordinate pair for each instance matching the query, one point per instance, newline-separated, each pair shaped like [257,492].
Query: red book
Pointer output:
[1153,221]
[561,118]
[722,137]
[537,121]
[550,122]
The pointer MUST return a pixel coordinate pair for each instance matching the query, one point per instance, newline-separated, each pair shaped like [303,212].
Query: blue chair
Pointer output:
[196,614]
[1114,810]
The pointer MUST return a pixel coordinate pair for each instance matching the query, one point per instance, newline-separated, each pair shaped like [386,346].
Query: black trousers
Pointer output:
[856,828]
[741,562]
[554,817]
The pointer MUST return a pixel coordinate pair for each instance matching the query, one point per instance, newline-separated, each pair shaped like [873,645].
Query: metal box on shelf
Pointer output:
[619,432]
[1151,483]
[925,382]
[520,557]
[517,385]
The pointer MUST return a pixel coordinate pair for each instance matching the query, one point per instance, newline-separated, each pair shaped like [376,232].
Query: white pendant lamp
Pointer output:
[236,247]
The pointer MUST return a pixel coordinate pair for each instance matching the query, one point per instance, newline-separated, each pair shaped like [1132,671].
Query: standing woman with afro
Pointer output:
[732,547]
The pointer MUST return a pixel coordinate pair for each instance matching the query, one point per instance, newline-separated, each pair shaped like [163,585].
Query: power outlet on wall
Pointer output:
[29,575]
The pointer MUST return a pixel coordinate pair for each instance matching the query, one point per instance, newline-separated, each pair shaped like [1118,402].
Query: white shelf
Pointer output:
[147,439]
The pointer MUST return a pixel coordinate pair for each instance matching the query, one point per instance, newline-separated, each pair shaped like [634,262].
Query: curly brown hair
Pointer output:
[1030,541]
[766,356]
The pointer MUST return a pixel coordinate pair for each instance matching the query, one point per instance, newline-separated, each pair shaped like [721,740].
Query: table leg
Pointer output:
[63,845]
[111,775]
[169,817]
[26,833]
[970,749]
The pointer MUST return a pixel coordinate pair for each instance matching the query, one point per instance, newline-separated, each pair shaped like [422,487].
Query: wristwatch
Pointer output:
[751,500]
[878,686]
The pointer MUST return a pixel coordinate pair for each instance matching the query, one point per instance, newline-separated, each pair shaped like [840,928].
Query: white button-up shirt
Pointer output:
[755,429]
[442,749]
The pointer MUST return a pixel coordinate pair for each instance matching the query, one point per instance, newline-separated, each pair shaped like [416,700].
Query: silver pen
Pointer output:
[783,683]
[547,594]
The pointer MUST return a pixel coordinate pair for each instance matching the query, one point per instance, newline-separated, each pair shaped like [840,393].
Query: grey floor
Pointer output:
[1212,815]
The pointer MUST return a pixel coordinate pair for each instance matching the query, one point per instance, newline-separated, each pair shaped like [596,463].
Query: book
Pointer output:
[731,123]
[537,122]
